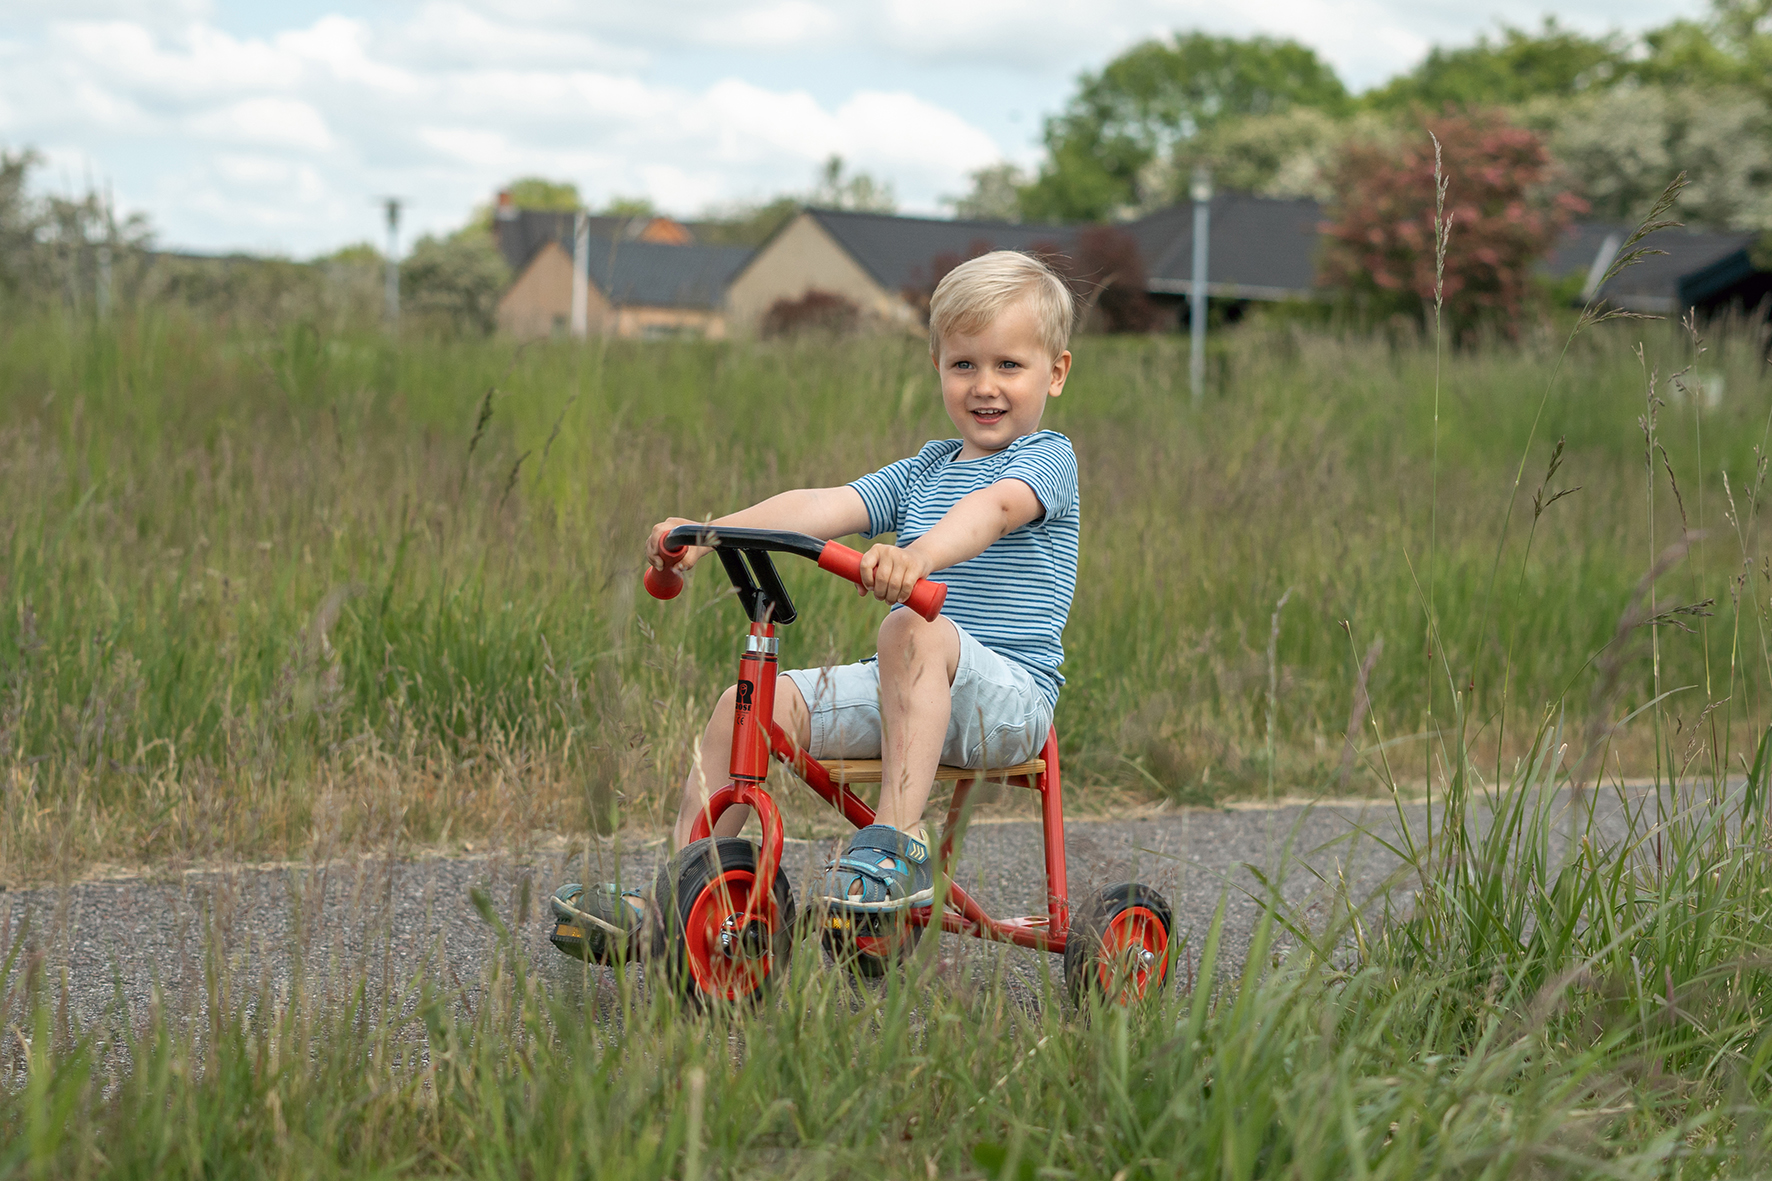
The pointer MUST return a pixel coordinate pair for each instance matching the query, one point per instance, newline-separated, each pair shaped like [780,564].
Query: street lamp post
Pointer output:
[391,284]
[581,275]
[1201,191]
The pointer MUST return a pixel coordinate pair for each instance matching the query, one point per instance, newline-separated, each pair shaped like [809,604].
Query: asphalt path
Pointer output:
[135,938]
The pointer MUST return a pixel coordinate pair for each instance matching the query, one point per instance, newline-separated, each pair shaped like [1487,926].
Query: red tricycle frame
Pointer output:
[756,737]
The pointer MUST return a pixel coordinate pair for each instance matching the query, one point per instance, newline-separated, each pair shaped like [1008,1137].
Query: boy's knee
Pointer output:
[901,631]
[791,712]
[725,705]
[906,639]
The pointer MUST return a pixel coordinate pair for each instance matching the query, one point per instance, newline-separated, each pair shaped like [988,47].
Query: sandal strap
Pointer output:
[886,875]
[883,838]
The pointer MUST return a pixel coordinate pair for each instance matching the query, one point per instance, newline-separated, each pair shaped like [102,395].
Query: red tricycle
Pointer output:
[718,936]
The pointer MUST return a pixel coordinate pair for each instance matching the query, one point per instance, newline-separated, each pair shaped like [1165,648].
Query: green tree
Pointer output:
[995,195]
[1286,154]
[530,192]
[744,224]
[858,191]
[452,284]
[629,207]
[1156,95]
[20,219]
[1732,47]
[357,254]
[535,192]
[1619,148]
[1520,65]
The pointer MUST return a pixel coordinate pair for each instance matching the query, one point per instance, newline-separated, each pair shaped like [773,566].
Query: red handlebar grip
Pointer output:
[666,583]
[926,598]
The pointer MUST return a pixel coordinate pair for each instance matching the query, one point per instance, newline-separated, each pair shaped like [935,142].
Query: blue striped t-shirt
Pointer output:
[1014,597]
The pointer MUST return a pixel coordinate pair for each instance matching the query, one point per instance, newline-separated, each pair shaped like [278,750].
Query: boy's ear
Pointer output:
[1061,369]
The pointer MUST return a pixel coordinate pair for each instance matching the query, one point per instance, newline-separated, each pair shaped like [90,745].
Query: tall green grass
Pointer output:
[1590,1010]
[257,586]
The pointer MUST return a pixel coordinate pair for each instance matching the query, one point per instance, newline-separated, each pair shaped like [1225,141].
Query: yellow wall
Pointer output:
[539,304]
[655,322]
[803,257]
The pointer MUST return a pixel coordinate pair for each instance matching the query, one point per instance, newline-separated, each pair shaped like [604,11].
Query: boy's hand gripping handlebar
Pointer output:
[926,597]
[666,583]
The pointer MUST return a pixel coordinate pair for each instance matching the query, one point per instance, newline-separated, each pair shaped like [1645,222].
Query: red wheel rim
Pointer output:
[1134,955]
[723,908]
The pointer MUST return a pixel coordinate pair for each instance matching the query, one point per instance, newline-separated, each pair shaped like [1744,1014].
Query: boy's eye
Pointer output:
[1011,365]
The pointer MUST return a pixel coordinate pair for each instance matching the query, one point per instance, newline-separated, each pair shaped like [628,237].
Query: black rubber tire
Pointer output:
[1090,924]
[680,883]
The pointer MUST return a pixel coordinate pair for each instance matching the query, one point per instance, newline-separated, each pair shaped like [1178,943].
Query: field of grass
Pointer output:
[277,594]
[264,590]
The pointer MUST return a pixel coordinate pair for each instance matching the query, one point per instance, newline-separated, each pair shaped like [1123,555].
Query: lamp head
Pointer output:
[1201,188]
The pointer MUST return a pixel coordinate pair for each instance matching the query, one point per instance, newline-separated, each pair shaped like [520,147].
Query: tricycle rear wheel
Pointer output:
[870,945]
[1118,945]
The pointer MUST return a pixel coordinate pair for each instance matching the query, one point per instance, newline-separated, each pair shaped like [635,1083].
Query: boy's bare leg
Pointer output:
[716,757]
[918,660]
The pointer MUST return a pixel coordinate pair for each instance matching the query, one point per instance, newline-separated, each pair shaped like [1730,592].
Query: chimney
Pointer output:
[507,209]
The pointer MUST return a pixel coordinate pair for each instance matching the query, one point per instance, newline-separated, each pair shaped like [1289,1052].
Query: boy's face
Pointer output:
[995,382]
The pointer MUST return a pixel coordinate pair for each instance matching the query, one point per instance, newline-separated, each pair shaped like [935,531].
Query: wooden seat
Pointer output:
[869,771]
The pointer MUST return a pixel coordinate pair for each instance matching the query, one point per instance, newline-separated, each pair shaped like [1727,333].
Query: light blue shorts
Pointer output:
[1000,716]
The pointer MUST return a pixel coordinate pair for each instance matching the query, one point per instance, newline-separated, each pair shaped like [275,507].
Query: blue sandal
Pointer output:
[892,869]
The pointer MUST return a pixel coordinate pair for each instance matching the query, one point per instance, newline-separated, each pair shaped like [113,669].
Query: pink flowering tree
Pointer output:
[1504,215]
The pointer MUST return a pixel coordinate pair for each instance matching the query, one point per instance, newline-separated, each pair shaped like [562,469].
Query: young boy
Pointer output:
[994,515]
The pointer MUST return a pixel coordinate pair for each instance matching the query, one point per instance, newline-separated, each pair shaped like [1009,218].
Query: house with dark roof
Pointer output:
[870,259]
[645,277]
[1710,271]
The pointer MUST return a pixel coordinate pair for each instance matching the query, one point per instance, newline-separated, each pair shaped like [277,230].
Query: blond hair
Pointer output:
[980,289]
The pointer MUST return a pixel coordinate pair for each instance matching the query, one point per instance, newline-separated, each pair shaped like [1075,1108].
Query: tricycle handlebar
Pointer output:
[926,598]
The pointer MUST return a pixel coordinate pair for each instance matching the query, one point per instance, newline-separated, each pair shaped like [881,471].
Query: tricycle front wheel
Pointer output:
[720,937]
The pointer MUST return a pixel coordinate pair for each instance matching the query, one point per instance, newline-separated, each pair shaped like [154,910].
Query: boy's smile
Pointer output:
[995,382]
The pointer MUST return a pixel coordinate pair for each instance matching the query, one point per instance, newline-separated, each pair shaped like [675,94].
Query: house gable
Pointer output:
[803,256]
[539,301]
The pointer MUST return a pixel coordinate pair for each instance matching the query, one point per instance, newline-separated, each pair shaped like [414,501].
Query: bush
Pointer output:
[1109,278]
[1503,218]
[452,284]
[816,311]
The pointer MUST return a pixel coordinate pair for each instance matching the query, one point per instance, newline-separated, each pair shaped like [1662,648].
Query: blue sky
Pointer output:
[274,127]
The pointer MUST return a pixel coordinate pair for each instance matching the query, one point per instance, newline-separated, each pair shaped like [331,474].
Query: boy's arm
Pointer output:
[968,529]
[823,512]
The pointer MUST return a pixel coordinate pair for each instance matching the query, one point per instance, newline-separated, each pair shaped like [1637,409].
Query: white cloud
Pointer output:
[455,35]
[775,24]
[273,122]
[343,48]
[198,62]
